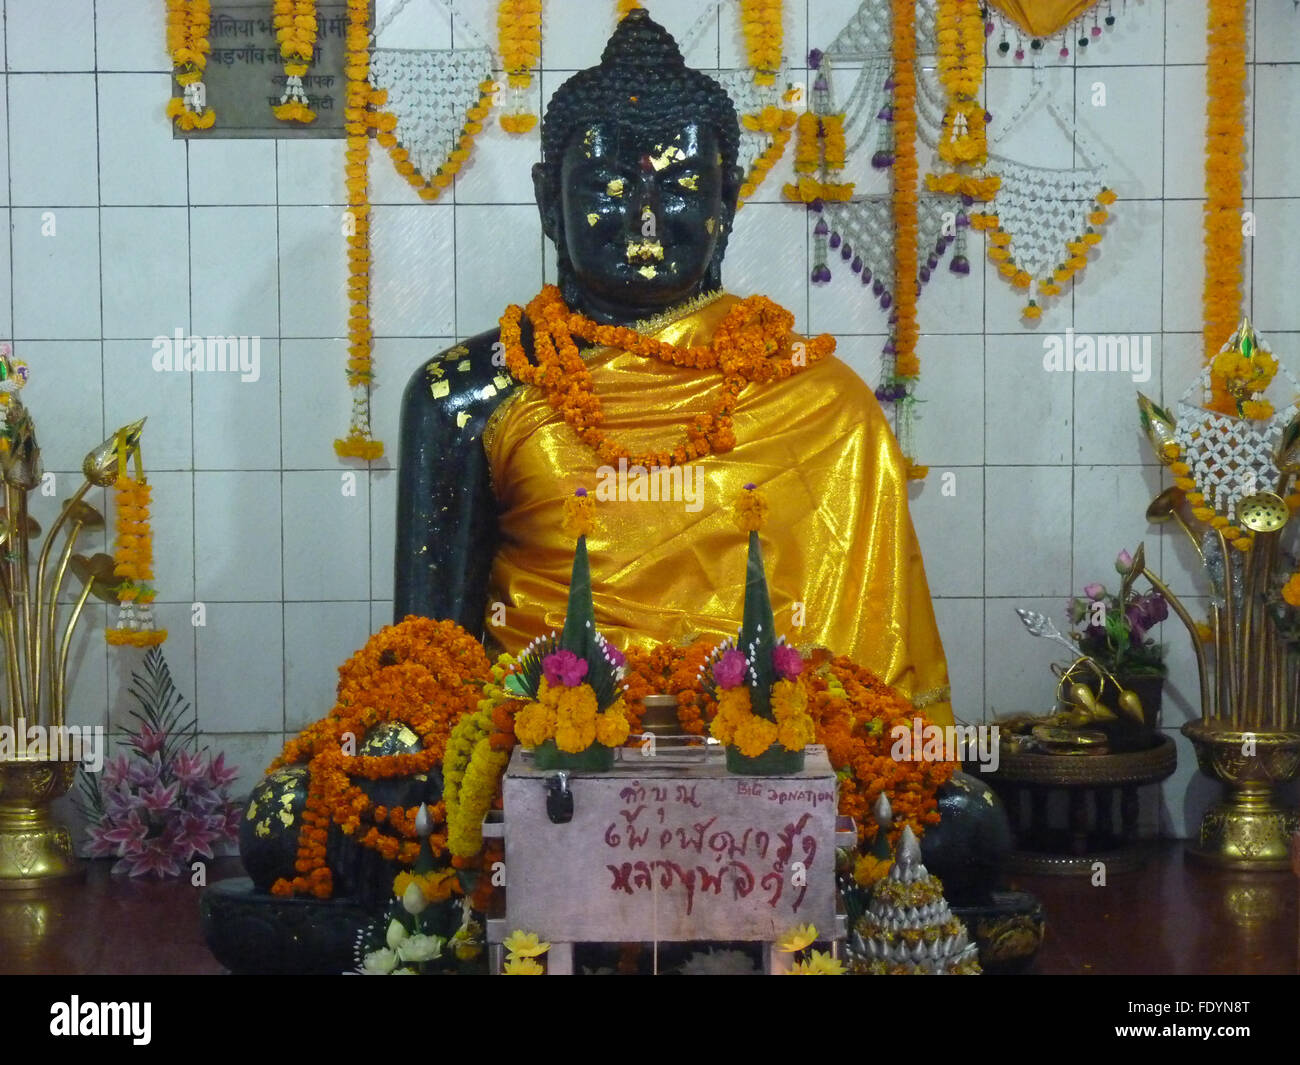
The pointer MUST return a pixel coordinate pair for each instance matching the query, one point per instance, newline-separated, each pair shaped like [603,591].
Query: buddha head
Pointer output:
[638,181]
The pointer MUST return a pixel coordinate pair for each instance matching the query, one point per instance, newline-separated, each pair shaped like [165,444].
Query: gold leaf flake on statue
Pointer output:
[667,157]
[593,218]
[436,370]
[487,391]
[263,829]
[286,818]
[648,272]
[501,380]
[441,389]
[252,811]
[462,419]
[463,366]
[615,187]
[710,224]
[691,182]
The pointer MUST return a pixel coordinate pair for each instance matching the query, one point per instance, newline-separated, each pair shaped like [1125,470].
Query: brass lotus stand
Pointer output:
[34,848]
[1248,737]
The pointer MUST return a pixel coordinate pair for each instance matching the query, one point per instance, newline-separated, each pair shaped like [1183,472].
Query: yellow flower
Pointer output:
[612,728]
[819,963]
[869,869]
[755,736]
[525,966]
[797,938]
[751,509]
[796,733]
[579,514]
[525,944]
[788,699]
[1291,590]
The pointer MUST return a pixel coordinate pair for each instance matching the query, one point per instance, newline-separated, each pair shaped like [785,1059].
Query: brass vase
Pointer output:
[1247,829]
[34,848]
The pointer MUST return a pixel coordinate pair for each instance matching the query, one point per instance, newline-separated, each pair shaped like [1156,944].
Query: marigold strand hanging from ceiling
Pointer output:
[962,143]
[133,557]
[519,37]
[1225,155]
[295,29]
[902,366]
[187,41]
[358,120]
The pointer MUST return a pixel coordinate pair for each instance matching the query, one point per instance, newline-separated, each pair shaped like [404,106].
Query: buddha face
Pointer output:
[641,215]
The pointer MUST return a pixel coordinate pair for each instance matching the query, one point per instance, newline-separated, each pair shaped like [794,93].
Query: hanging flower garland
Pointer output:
[187,41]
[902,367]
[519,36]
[762,24]
[963,144]
[358,119]
[820,150]
[998,249]
[133,557]
[777,123]
[1225,155]
[431,187]
[295,29]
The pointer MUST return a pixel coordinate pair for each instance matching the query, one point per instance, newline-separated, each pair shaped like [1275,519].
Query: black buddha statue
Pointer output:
[637,189]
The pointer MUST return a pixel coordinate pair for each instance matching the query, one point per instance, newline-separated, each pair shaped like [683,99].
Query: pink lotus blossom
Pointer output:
[1123,563]
[729,670]
[1094,591]
[564,667]
[786,661]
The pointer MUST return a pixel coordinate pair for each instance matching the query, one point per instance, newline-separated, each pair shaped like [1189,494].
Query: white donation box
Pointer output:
[667,850]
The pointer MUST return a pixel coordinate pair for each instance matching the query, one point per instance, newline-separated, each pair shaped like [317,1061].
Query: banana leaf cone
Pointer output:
[758,630]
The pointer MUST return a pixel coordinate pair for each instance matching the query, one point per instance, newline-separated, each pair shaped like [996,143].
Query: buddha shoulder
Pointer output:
[464,383]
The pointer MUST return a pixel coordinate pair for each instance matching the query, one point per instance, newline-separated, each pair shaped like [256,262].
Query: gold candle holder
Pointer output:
[1248,737]
[34,640]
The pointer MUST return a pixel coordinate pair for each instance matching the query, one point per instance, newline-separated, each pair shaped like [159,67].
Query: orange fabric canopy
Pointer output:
[1042,18]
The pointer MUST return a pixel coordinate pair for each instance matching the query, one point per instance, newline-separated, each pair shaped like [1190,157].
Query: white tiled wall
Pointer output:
[238,237]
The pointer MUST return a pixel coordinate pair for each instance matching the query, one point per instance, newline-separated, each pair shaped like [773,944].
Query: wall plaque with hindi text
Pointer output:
[245,75]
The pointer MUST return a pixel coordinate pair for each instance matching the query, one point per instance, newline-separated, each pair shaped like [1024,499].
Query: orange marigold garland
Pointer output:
[1225,158]
[753,343]
[426,675]
[762,25]
[134,558]
[519,36]
[962,141]
[359,443]
[188,22]
[902,367]
[295,29]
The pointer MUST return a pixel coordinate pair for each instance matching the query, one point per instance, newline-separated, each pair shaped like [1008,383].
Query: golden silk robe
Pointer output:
[839,548]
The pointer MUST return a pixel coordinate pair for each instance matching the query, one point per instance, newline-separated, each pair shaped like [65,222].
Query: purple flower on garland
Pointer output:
[1143,614]
[616,657]
[564,667]
[786,661]
[729,670]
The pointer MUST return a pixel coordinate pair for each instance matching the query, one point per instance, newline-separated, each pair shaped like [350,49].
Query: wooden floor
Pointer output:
[1169,918]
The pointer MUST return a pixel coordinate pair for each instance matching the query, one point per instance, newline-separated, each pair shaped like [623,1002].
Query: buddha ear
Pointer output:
[732,178]
[546,208]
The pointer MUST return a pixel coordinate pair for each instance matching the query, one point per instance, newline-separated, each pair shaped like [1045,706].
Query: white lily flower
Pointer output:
[413,900]
[379,962]
[396,933]
[418,948]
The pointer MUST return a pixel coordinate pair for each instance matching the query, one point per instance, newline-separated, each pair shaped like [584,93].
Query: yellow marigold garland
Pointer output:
[295,29]
[188,22]
[962,142]
[819,150]
[134,564]
[762,25]
[906,367]
[1242,539]
[777,123]
[1225,156]
[997,247]
[471,770]
[519,39]
[358,119]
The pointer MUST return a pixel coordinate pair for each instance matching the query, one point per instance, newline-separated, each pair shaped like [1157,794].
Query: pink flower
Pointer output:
[188,767]
[564,667]
[158,798]
[729,670]
[786,661]
[1123,563]
[218,775]
[615,656]
[1094,591]
[150,740]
